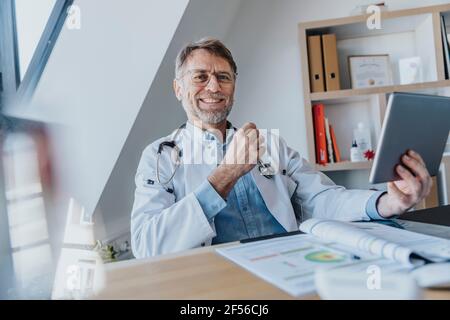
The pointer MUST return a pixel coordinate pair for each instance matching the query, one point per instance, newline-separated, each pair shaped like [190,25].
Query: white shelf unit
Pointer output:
[419,33]
[404,34]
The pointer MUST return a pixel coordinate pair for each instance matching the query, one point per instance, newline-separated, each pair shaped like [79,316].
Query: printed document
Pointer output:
[290,262]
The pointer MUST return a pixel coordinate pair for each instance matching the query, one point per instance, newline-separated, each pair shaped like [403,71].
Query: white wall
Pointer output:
[31,18]
[264,41]
[160,114]
[94,85]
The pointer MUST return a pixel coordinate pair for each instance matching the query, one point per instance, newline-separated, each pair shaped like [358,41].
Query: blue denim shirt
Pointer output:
[244,214]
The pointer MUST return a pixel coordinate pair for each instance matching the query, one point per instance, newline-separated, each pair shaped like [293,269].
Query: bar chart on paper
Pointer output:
[288,262]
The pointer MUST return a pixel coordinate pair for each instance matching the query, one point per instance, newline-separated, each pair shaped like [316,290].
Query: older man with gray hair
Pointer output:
[180,204]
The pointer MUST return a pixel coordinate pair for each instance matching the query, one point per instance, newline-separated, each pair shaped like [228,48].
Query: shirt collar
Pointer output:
[198,133]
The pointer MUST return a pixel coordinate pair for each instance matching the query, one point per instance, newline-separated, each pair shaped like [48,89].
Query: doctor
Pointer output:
[182,204]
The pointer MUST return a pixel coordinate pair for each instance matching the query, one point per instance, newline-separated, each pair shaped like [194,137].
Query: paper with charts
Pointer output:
[288,262]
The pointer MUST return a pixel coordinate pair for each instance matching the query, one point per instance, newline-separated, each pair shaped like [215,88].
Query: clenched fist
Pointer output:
[241,157]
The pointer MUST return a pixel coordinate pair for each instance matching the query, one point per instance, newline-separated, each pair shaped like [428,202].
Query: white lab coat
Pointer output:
[163,222]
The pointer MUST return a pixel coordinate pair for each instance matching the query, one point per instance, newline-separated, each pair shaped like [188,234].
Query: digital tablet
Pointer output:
[412,122]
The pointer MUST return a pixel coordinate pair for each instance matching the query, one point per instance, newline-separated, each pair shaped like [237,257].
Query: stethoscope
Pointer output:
[265,169]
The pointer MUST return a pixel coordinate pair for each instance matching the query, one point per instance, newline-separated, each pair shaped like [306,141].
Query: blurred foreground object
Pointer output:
[27,179]
[373,283]
[48,248]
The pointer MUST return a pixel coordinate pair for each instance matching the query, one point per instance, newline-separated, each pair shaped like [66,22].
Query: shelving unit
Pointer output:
[420,30]
[323,96]
[345,166]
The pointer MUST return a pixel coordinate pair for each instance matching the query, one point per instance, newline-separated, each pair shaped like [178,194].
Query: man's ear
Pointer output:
[177,89]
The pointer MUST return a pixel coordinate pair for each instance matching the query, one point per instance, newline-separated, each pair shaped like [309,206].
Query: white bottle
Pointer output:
[355,154]
[362,137]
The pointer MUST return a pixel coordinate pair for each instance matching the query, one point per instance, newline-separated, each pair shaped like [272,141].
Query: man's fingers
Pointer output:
[428,189]
[250,143]
[400,196]
[252,134]
[420,171]
[245,128]
[261,143]
[416,167]
[414,184]
[248,126]
[252,137]
[261,151]
[261,138]
[416,156]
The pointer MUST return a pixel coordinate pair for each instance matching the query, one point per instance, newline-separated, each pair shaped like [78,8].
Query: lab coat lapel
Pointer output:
[196,169]
[276,198]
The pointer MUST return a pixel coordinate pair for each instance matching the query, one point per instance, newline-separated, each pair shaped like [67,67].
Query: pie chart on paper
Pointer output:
[324,257]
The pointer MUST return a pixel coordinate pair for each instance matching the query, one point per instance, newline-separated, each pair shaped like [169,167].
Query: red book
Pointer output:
[337,154]
[319,134]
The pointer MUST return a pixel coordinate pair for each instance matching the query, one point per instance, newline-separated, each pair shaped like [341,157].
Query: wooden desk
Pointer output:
[196,274]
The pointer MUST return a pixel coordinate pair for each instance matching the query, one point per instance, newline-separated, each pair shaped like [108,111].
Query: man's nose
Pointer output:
[213,85]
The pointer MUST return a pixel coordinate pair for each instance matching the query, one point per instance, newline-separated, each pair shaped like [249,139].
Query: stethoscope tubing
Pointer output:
[261,167]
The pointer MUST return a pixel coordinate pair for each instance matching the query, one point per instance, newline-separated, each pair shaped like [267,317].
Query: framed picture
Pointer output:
[370,71]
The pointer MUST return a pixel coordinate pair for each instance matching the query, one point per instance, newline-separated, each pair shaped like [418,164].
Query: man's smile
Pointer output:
[211,102]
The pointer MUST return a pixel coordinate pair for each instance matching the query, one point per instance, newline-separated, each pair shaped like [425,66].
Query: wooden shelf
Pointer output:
[385,15]
[322,96]
[345,166]
[423,22]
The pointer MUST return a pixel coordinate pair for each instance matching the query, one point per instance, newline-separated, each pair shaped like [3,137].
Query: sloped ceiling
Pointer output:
[160,112]
[94,85]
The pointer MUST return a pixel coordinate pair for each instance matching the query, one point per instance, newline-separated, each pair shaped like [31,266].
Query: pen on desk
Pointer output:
[271,236]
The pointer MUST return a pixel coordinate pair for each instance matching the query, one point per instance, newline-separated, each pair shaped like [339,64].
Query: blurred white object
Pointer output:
[362,9]
[410,70]
[361,134]
[434,275]
[342,284]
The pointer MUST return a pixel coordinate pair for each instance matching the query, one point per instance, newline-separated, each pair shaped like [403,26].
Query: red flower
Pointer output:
[369,154]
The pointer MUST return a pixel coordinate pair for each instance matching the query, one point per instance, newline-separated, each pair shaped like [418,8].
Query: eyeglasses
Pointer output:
[202,78]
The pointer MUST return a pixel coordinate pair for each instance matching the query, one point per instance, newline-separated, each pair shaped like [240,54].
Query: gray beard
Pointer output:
[211,117]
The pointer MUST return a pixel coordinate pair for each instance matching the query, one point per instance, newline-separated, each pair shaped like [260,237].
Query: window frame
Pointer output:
[7,275]
[14,90]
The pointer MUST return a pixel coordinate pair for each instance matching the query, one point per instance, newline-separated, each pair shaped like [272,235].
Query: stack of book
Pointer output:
[323,63]
[327,150]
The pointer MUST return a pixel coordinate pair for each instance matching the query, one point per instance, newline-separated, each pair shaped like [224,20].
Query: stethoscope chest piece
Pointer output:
[266,170]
